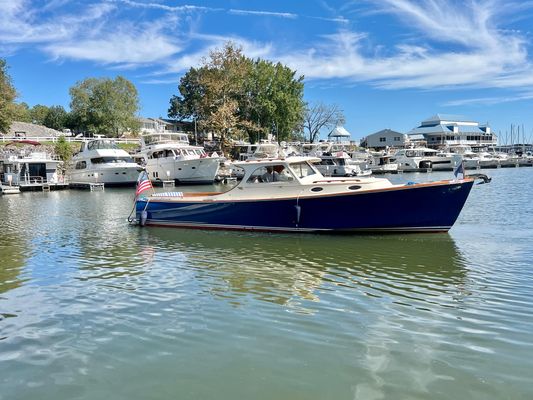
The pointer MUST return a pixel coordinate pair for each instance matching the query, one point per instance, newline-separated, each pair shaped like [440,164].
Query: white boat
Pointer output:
[380,162]
[102,161]
[29,167]
[414,159]
[471,160]
[487,160]
[334,161]
[169,156]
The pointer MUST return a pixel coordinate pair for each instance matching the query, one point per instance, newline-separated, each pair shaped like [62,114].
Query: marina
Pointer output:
[264,315]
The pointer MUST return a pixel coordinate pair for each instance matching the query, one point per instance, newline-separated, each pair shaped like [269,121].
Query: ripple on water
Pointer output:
[260,315]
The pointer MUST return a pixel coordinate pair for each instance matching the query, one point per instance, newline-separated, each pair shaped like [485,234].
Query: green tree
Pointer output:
[63,149]
[105,106]
[21,112]
[38,114]
[231,94]
[7,98]
[56,118]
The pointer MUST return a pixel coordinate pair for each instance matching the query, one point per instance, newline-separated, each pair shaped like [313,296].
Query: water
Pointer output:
[92,308]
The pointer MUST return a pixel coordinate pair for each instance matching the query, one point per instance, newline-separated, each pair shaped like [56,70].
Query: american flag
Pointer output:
[459,169]
[143,183]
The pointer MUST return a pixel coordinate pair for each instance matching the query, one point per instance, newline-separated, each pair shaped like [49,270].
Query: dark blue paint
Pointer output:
[412,207]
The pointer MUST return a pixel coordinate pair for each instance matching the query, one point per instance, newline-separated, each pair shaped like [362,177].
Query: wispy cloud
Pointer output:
[488,101]
[444,44]
[263,13]
[469,50]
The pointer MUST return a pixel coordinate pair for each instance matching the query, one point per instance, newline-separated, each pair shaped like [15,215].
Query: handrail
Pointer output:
[5,138]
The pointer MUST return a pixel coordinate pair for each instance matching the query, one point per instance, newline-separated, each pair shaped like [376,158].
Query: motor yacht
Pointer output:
[306,201]
[102,161]
[169,156]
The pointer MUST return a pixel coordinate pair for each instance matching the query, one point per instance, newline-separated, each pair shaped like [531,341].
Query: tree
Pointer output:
[21,112]
[232,94]
[62,149]
[105,106]
[56,118]
[7,98]
[319,116]
[38,114]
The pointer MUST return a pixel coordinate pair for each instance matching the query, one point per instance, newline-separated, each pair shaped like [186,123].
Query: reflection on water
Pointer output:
[92,307]
[283,268]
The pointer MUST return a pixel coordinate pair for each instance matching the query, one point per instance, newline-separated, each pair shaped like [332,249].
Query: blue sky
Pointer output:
[386,63]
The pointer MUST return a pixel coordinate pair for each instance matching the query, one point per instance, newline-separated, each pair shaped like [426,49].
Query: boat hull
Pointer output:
[411,208]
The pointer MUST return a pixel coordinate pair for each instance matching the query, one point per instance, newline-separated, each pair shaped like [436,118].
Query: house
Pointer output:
[384,138]
[153,125]
[442,130]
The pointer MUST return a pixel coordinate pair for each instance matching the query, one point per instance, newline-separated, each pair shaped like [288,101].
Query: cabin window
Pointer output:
[302,169]
[317,189]
[270,173]
[354,187]
[111,160]
[81,165]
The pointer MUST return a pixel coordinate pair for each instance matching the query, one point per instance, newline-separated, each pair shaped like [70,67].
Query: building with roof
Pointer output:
[384,138]
[442,130]
[154,125]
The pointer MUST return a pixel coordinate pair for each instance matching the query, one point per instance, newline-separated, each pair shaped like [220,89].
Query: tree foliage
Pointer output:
[7,98]
[105,106]
[319,116]
[38,114]
[56,118]
[231,94]
[63,149]
[21,112]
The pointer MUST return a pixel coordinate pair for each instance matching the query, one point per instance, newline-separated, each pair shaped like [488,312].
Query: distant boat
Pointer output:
[169,156]
[291,195]
[416,158]
[29,167]
[102,161]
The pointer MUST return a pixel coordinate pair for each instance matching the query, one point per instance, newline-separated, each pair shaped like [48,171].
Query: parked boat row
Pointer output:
[169,158]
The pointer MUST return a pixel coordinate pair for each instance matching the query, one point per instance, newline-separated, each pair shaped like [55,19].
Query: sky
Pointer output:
[385,63]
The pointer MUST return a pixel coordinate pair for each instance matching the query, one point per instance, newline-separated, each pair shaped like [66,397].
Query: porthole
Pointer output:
[354,187]
[317,189]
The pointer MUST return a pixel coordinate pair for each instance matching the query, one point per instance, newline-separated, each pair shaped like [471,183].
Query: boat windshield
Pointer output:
[102,145]
[302,169]
[111,160]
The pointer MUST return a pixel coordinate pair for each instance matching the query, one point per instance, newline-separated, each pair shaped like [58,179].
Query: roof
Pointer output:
[437,118]
[448,129]
[339,131]
[385,132]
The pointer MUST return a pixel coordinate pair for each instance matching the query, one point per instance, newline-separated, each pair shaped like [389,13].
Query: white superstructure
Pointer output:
[169,156]
[101,161]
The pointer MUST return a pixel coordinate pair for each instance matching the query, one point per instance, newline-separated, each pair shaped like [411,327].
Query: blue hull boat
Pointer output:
[302,200]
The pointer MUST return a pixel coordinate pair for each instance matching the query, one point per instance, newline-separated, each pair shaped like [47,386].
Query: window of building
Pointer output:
[382,139]
[397,138]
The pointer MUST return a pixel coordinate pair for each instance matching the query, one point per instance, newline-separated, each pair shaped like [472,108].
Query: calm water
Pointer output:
[91,308]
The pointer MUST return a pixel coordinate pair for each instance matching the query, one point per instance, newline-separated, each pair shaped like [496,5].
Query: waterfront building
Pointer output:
[443,130]
[160,125]
[384,139]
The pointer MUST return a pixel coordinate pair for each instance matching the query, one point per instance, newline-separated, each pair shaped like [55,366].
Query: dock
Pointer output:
[92,186]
